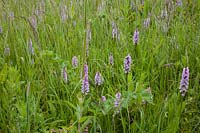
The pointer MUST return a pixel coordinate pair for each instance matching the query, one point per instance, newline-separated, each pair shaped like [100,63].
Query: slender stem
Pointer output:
[84,52]
[112,74]
[123,123]
[180,109]
[129,120]
[85,38]
[113,120]
[27,106]
[126,81]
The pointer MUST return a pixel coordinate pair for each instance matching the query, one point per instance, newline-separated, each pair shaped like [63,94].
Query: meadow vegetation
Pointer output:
[99,66]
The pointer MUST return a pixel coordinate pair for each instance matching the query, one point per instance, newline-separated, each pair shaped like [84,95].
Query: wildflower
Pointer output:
[101,6]
[111,59]
[117,99]
[118,96]
[169,4]
[37,12]
[164,14]
[41,6]
[136,36]
[98,79]
[115,32]
[184,81]
[165,28]
[64,74]
[103,98]
[85,81]
[85,69]
[33,21]
[63,14]
[147,22]
[85,85]
[11,16]
[40,10]
[142,2]
[7,51]
[127,63]
[1,30]
[31,47]
[179,2]
[74,61]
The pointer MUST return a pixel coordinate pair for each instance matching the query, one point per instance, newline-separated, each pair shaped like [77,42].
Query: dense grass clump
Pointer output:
[99,66]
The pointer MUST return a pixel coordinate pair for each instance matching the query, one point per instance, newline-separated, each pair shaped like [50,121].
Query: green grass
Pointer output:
[35,98]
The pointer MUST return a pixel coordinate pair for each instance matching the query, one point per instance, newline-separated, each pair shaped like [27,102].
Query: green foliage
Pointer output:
[34,97]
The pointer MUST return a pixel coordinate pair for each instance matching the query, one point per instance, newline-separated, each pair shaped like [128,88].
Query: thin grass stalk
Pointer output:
[27,106]
[123,123]
[181,101]
[113,121]
[97,91]
[126,76]
[85,37]
[84,51]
